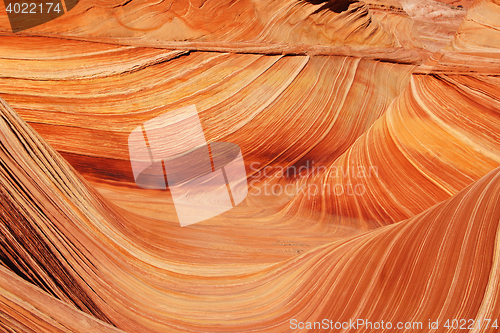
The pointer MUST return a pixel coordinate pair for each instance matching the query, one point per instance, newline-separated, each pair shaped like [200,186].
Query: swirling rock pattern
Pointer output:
[343,94]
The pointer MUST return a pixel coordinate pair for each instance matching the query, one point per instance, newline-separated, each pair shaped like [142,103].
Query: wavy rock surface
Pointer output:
[340,94]
[459,235]
[309,22]
[438,136]
[479,30]
[236,95]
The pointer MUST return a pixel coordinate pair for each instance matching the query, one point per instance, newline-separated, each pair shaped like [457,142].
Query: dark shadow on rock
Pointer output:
[337,6]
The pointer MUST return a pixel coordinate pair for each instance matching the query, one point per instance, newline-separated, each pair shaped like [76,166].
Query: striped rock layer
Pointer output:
[373,168]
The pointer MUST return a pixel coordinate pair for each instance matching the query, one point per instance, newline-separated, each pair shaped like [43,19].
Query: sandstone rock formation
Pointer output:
[435,22]
[372,164]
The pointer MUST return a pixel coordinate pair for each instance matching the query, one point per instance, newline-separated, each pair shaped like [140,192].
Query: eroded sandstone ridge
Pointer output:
[390,211]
